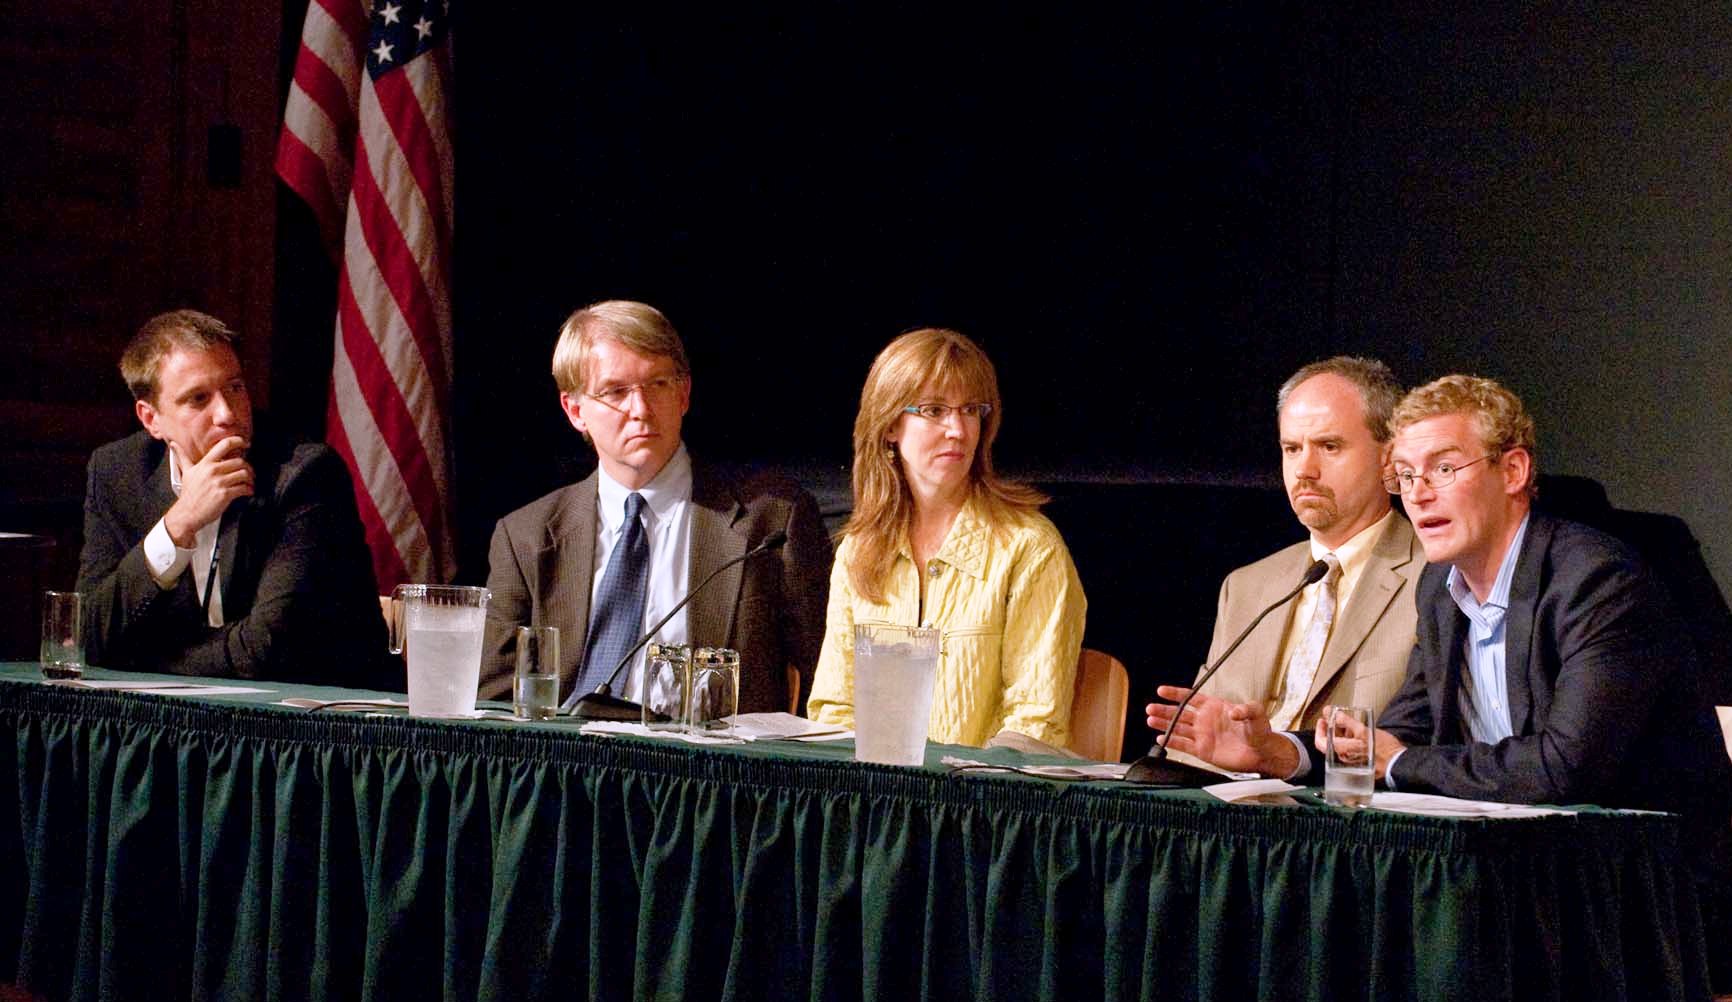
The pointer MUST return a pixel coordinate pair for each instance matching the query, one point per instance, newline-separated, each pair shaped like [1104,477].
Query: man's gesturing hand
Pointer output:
[1234,736]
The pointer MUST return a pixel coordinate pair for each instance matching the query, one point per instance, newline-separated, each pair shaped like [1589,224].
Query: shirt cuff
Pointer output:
[1304,755]
[1389,769]
[165,560]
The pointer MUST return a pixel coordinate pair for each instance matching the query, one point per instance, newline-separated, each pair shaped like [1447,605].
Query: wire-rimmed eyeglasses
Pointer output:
[1436,478]
[616,397]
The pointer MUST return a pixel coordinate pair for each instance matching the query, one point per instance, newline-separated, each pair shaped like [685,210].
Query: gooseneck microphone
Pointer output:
[1155,769]
[602,704]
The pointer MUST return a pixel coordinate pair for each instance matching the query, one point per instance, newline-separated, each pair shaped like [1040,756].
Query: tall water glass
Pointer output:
[1349,750]
[893,672]
[62,646]
[667,687]
[536,686]
[715,690]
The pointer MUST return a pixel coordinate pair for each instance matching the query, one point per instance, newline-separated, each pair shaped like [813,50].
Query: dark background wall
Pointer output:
[1148,214]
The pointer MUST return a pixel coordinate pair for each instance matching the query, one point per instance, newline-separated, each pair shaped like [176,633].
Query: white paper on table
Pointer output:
[303,703]
[1245,789]
[1082,770]
[782,726]
[1435,805]
[640,731]
[165,688]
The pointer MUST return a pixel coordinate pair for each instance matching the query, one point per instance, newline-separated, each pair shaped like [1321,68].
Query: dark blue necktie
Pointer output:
[618,620]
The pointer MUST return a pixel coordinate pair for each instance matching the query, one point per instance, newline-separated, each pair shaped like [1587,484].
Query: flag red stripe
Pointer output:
[389,411]
[388,566]
[408,123]
[350,16]
[327,90]
[304,173]
[400,272]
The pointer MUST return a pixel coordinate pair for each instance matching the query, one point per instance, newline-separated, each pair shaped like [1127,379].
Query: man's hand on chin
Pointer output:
[207,487]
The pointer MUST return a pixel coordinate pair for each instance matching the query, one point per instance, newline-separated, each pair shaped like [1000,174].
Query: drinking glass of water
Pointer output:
[537,684]
[1349,754]
[62,649]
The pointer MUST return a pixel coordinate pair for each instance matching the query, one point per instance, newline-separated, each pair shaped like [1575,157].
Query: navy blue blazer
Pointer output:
[1608,702]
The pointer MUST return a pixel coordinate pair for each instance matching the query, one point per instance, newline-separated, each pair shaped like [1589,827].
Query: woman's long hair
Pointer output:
[883,506]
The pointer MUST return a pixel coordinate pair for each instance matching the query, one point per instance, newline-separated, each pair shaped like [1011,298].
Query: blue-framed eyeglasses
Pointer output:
[938,412]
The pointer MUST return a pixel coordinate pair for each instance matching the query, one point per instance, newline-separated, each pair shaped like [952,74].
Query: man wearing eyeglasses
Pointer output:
[610,555]
[1549,667]
[1346,640]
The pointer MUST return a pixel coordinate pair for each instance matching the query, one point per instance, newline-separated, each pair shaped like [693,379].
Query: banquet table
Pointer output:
[228,847]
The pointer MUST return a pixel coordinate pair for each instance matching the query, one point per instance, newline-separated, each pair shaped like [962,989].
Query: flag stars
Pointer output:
[383,53]
[390,11]
[424,28]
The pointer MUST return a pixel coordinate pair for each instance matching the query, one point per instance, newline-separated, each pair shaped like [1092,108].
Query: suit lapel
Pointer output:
[1378,585]
[1452,635]
[159,488]
[715,511]
[1257,658]
[1518,625]
[229,534]
[568,573]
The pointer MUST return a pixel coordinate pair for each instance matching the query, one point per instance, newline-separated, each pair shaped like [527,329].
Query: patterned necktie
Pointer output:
[618,620]
[1302,668]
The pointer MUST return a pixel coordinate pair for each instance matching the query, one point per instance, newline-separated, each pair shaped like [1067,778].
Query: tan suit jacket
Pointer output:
[770,608]
[1366,657]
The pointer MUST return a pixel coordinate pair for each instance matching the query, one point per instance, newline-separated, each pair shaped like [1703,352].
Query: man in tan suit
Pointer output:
[607,557]
[1345,641]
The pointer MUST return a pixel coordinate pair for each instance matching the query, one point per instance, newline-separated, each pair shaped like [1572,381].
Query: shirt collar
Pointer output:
[965,545]
[668,489]
[1489,614]
[174,472]
[1356,552]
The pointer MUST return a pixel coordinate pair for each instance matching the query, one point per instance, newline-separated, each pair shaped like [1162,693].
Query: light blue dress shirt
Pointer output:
[1484,693]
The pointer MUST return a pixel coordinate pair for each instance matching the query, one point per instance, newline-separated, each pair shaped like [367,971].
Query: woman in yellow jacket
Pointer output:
[937,539]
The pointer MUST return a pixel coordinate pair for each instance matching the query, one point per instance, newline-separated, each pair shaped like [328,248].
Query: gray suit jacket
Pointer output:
[1366,658]
[770,608]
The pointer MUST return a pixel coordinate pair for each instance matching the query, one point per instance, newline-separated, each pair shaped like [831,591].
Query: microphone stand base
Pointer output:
[1167,774]
[596,706]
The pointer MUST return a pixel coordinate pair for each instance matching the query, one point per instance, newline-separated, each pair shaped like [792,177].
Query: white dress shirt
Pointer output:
[668,530]
[167,561]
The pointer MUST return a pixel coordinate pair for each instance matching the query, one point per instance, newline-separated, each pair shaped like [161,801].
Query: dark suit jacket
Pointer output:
[1605,692]
[297,581]
[770,609]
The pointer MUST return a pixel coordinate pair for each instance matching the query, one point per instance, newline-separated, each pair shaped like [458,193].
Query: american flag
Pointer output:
[366,142]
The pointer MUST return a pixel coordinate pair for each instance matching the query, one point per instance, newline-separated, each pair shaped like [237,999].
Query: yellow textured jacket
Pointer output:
[1011,609]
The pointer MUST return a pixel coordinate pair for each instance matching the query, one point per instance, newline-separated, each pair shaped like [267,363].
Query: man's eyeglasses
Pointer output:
[654,390]
[1436,478]
[938,412]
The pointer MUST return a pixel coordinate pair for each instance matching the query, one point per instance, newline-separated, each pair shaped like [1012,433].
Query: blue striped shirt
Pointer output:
[1484,693]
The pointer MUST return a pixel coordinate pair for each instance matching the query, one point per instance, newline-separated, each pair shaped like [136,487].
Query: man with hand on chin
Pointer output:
[210,552]
[1549,666]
